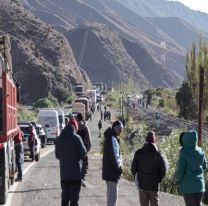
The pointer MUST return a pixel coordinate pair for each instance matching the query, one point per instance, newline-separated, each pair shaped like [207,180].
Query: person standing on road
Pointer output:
[191,166]
[32,142]
[19,154]
[84,133]
[112,161]
[70,151]
[149,167]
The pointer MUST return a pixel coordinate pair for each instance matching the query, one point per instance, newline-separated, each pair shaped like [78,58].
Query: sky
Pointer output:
[201,5]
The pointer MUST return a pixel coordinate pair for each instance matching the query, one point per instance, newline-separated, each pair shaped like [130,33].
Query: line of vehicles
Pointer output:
[49,123]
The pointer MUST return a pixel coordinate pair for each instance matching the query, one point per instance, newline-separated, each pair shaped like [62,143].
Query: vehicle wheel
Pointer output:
[43,145]
[4,173]
[37,157]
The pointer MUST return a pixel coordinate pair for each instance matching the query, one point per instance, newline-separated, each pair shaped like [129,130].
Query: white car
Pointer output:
[25,129]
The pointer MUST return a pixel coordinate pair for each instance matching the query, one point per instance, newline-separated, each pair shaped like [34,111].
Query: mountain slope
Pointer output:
[183,33]
[107,58]
[121,20]
[164,8]
[43,61]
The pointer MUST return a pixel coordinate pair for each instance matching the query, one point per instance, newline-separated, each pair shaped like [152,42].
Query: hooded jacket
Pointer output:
[70,150]
[191,165]
[110,169]
[151,167]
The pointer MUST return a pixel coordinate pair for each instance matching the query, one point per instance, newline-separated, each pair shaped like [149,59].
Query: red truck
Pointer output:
[8,118]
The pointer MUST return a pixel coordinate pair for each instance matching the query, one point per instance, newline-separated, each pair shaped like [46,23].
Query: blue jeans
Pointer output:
[19,159]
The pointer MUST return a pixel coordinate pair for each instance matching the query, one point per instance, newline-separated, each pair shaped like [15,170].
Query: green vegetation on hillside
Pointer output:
[163,99]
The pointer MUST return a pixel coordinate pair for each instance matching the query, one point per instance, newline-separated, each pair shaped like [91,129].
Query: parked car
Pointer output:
[25,129]
[41,134]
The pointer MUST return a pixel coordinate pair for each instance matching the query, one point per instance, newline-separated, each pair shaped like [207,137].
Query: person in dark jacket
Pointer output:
[149,167]
[70,151]
[112,161]
[191,166]
[31,142]
[19,154]
[85,134]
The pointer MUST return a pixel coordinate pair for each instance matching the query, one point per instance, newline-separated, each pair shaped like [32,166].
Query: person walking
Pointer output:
[101,114]
[70,151]
[149,167]
[19,154]
[112,161]
[100,126]
[191,166]
[84,133]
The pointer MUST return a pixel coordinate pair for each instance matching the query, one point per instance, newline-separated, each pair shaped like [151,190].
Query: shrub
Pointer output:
[43,103]
[53,100]
[26,114]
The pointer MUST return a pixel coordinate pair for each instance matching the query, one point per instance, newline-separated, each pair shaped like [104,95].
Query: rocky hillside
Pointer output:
[113,59]
[121,20]
[43,61]
[161,47]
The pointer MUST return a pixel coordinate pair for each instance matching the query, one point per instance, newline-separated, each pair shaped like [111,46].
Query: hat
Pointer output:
[117,124]
[73,123]
[151,137]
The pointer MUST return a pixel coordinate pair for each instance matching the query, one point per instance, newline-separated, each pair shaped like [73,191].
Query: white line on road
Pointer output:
[13,188]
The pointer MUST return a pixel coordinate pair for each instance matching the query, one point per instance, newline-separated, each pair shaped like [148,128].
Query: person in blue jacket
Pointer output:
[191,166]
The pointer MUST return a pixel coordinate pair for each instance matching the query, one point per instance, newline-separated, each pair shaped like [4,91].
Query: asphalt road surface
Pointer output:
[41,184]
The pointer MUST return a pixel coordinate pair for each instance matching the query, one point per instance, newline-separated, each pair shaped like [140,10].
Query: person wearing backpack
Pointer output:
[84,133]
[149,167]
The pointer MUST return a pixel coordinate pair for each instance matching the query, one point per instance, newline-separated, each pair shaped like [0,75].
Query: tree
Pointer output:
[184,99]
[193,63]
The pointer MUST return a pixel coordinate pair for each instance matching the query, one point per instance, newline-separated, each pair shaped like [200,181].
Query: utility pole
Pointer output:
[201,104]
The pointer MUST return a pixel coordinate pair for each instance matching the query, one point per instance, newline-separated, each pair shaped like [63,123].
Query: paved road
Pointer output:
[41,185]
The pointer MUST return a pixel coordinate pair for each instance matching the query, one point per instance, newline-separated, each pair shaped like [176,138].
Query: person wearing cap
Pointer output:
[70,151]
[112,161]
[190,171]
[19,153]
[149,167]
